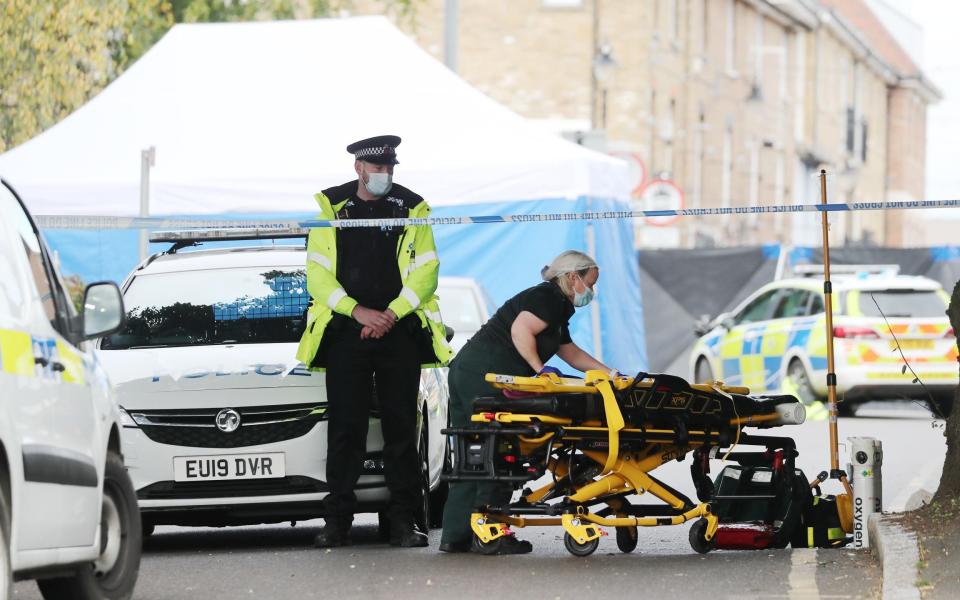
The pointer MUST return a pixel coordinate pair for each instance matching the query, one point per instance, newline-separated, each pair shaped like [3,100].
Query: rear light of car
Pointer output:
[846,331]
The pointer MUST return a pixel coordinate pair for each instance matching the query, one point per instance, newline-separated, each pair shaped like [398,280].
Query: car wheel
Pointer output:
[6,575]
[703,373]
[438,497]
[113,574]
[423,511]
[798,376]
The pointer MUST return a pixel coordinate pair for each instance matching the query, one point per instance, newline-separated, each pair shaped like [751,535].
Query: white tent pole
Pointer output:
[147,160]
[595,305]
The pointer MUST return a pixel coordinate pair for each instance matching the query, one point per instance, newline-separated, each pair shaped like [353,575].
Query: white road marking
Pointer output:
[803,574]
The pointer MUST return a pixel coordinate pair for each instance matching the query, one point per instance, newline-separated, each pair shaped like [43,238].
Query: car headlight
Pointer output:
[126,420]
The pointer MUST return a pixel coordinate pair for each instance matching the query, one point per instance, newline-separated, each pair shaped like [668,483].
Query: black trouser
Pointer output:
[352,367]
[466,379]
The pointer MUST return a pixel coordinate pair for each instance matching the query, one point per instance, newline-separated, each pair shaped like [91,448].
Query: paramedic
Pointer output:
[525,332]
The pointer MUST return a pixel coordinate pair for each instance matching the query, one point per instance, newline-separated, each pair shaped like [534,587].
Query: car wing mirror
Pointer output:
[702,325]
[103,311]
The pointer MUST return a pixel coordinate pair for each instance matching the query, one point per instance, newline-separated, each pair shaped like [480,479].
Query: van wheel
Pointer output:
[703,373]
[6,576]
[113,574]
[798,376]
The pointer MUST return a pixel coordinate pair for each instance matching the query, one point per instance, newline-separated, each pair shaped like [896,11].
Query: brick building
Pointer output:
[737,102]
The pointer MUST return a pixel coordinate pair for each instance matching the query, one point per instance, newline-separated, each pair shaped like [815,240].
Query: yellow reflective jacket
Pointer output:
[419,267]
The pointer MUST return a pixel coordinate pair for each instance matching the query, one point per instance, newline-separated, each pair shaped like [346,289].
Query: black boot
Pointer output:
[403,533]
[334,534]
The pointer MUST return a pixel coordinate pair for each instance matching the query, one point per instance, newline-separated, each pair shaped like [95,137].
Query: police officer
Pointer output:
[373,322]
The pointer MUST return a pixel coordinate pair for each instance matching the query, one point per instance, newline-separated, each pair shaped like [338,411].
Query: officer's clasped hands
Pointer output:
[376,324]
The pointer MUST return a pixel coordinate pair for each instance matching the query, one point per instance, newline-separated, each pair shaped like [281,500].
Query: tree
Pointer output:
[56,55]
[949,488]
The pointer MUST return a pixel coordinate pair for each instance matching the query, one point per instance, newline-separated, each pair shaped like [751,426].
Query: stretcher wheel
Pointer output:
[577,549]
[698,540]
[627,539]
[488,548]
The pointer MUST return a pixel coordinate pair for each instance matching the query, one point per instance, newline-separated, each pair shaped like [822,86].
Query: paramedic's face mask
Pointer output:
[587,291]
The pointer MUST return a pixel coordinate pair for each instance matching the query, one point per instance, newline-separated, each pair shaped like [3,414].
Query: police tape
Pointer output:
[111,222]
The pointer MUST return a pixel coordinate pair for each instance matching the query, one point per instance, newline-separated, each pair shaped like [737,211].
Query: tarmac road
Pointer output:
[277,561]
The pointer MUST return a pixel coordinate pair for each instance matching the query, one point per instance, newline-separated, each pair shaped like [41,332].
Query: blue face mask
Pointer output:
[581,299]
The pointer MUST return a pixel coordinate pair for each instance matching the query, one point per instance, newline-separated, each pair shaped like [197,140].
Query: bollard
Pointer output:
[865,468]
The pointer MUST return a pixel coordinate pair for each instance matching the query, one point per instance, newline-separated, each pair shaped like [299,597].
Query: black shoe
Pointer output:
[455,547]
[405,535]
[332,536]
[504,545]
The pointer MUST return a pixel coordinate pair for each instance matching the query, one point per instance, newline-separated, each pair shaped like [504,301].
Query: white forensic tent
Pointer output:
[253,118]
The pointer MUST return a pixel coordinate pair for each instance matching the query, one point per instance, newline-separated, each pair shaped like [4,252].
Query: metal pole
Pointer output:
[147,160]
[835,471]
[451,33]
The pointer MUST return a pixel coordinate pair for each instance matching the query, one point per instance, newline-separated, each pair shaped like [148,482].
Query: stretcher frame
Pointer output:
[622,456]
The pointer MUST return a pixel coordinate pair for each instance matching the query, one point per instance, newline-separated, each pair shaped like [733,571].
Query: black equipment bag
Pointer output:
[762,495]
[821,526]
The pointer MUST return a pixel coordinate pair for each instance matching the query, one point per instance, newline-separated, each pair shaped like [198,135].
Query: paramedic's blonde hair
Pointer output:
[570,261]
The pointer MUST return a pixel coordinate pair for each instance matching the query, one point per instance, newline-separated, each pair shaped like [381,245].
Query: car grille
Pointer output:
[196,427]
[171,490]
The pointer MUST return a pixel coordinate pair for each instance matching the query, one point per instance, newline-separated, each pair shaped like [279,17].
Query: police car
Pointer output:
[68,513]
[222,424]
[888,329]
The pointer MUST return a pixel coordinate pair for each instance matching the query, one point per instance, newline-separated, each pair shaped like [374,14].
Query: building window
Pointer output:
[863,141]
[851,130]
[800,86]
[731,39]
[704,37]
[758,52]
[697,175]
[675,19]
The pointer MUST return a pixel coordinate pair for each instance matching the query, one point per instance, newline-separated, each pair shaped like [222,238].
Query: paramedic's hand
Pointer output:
[547,369]
[378,323]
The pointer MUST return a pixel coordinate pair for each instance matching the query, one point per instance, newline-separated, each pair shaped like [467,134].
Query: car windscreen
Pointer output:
[251,305]
[902,303]
[459,308]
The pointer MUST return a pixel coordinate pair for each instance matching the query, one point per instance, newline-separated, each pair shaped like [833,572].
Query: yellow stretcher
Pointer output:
[590,446]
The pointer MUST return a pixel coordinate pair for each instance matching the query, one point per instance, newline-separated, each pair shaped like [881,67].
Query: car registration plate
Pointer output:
[228,466]
[912,344]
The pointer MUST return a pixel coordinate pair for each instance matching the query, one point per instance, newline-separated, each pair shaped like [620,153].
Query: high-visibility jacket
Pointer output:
[419,267]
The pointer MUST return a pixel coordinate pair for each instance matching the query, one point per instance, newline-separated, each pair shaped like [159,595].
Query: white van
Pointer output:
[68,512]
